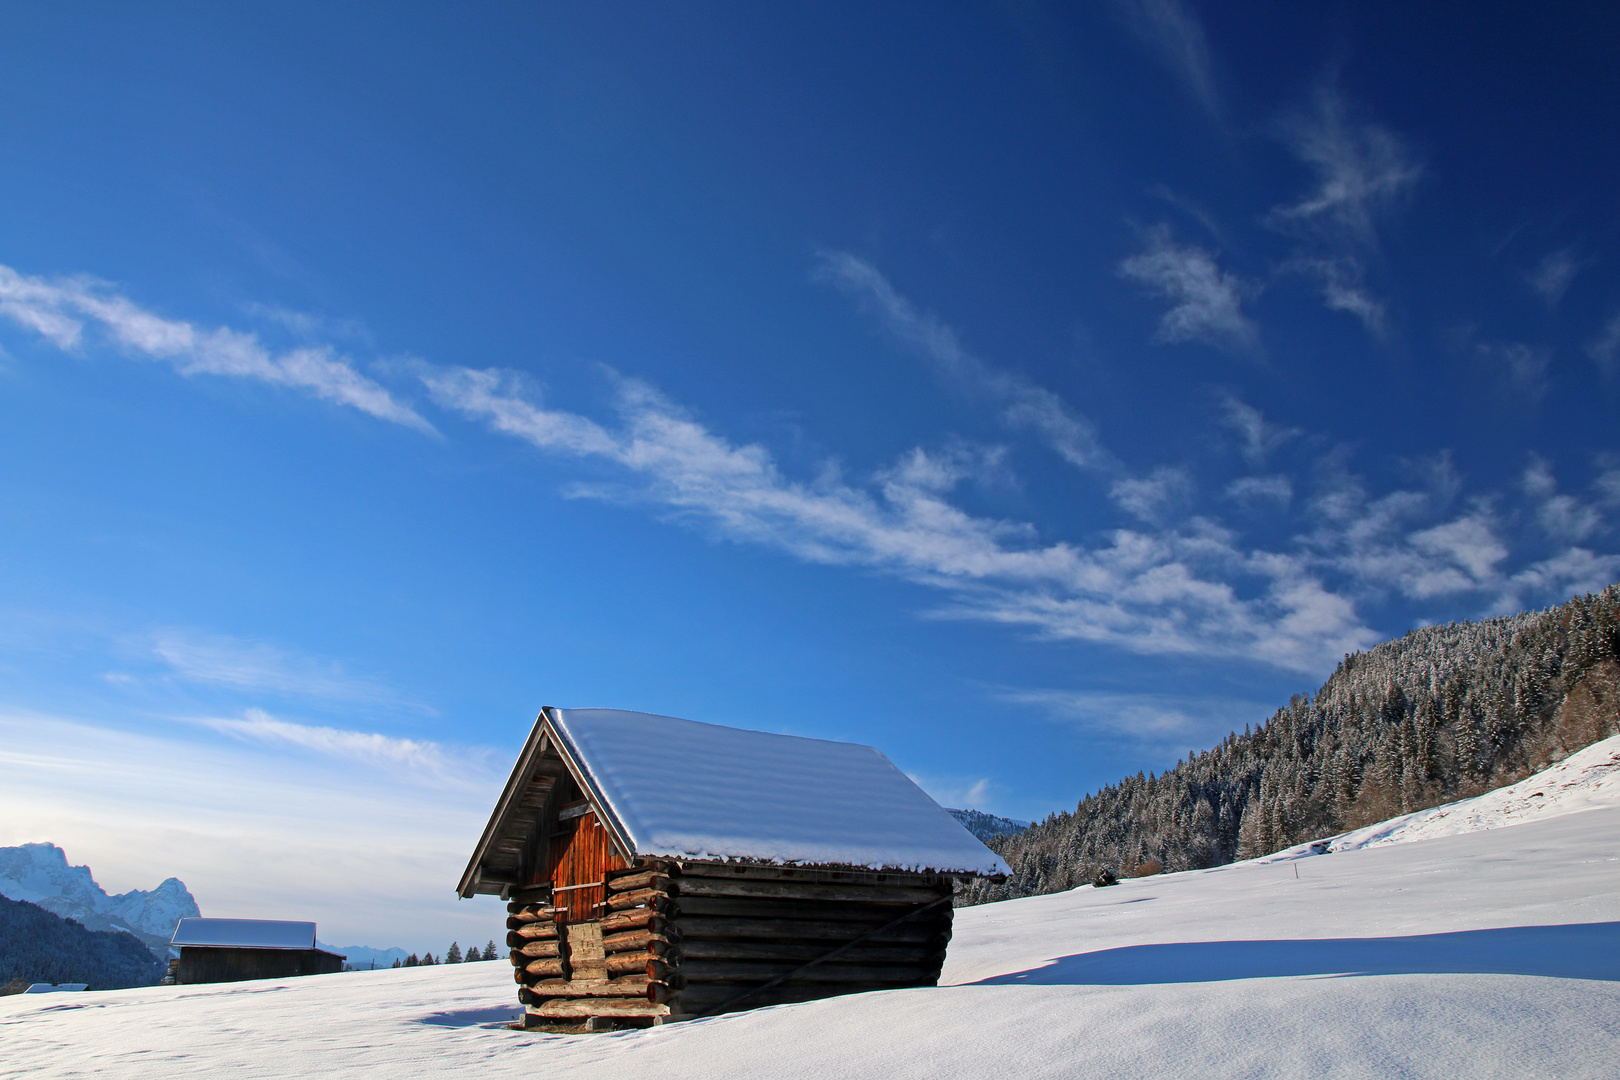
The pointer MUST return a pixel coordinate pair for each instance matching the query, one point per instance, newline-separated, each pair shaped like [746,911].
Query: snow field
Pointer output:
[1486,953]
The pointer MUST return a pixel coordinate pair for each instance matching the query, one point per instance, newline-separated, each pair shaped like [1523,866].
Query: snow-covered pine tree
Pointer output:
[1442,713]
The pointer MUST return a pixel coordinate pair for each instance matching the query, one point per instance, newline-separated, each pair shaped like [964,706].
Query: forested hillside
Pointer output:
[40,946]
[1440,714]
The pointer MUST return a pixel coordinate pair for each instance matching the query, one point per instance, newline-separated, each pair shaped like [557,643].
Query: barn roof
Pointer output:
[680,789]
[245,933]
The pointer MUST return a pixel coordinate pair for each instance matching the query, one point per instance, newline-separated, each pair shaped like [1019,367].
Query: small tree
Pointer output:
[396,962]
[489,951]
[412,961]
[427,958]
[453,955]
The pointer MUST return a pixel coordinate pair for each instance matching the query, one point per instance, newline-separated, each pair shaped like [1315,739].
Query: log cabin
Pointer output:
[658,869]
[231,950]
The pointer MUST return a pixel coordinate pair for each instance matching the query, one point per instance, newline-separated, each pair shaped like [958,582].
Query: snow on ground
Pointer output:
[1585,780]
[1491,953]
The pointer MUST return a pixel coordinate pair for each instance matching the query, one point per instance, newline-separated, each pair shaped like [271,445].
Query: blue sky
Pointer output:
[1034,393]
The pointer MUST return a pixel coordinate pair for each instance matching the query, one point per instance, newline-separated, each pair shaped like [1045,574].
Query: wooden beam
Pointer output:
[805,890]
[759,872]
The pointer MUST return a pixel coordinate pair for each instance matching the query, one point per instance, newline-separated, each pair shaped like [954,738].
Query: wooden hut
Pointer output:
[230,950]
[659,869]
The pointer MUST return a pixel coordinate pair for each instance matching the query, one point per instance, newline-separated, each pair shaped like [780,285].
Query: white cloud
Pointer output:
[64,309]
[1256,489]
[1605,348]
[362,747]
[1562,517]
[1164,592]
[1206,302]
[1551,278]
[1169,724]
[1520,367]
[1177,36]
[260,667]
[1342,285]
[1153,498]
[1362,172]
[1023,404]
[1259,437]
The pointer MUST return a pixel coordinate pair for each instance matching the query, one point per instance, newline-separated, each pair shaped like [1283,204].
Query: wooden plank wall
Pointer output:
[581,855]
[681,939]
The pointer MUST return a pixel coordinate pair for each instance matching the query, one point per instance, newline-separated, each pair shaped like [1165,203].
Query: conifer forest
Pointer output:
[1443,713]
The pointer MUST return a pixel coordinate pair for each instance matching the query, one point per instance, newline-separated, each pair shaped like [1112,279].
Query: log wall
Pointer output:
[679,939]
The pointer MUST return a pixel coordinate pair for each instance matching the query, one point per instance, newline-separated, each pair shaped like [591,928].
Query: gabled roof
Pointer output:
[681,789]
[245,933]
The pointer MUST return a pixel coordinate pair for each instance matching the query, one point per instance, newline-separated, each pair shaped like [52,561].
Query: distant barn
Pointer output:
[659,868]
[231,950]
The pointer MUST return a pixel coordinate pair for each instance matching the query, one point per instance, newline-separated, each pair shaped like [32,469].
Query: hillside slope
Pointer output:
[1443,713]
[1492,953]
[37,945]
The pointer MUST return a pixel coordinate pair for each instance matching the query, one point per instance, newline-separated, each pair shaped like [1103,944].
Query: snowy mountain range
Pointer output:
[40,874]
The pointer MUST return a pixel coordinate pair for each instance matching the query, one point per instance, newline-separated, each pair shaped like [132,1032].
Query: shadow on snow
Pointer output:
[1575,951]
[496,1017]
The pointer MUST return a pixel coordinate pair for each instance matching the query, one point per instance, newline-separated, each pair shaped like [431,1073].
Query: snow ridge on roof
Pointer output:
[245,933]
[683,789]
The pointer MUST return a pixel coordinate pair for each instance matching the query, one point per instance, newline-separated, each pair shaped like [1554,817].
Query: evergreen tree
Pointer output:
[453,955]
[489,951]
[427,958]
[412,961]
[395,963]
[1443,713]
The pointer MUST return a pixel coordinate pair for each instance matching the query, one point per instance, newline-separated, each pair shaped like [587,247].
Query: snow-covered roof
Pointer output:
[683,789]
[245,933]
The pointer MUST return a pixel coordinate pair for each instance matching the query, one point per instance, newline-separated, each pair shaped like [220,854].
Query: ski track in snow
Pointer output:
[1481,952]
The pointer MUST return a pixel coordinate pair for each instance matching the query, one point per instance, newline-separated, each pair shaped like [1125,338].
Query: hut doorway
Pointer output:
[581,855]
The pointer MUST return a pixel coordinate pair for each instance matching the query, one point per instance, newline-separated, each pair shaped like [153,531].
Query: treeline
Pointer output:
[41,946]
[1444,713]
[452,955]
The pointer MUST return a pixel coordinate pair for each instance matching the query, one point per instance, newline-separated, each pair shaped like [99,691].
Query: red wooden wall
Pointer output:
[581,857]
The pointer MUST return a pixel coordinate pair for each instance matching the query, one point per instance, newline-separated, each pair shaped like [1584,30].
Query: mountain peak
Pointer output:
[41,874]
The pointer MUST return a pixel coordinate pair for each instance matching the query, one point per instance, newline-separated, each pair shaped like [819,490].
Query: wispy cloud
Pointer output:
[1341,281]
[67,311]
[1560,515]
[1174,33]
[1605,348]
[361,747]
[1171,591]
[1363,174]
[1206,302]
[1154,498]
[1250,490]
[1363,171]
[1259,437]
[260,667]
[1552,276]
[1165,723]
[1403,543]
[1023,403]
[1519,367]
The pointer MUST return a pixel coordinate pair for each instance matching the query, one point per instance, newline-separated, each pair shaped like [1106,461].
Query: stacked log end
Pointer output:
[675,940]
[617,966]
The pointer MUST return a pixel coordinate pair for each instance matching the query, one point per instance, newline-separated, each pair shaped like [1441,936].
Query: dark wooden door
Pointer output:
[583,856]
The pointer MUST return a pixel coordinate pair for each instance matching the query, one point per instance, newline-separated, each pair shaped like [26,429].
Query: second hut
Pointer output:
[657,869]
